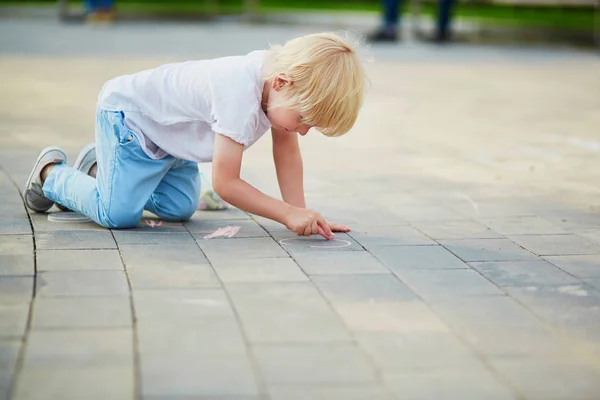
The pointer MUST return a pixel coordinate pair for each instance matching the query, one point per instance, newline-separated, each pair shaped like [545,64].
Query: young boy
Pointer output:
[153,127]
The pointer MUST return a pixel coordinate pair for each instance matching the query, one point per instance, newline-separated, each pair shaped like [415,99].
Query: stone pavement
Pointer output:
[472,271]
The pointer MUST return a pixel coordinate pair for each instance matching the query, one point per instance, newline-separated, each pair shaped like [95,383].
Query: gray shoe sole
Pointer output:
[84,162]
[32,192]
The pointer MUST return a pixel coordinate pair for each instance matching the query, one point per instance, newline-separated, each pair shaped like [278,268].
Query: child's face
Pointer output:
[281,118]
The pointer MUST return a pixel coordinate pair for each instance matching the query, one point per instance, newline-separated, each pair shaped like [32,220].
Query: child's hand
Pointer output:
[307,222]
[338,228]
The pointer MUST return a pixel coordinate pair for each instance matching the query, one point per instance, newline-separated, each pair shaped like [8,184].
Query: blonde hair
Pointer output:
[327,77]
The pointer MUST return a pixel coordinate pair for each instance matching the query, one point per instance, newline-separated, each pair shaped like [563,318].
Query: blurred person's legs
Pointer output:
[99,10]
[388,31]
[443,32]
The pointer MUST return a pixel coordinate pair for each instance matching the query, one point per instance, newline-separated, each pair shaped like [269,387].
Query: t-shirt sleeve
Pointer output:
[235,99]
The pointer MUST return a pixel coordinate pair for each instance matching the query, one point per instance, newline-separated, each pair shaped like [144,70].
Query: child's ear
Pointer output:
[281,81]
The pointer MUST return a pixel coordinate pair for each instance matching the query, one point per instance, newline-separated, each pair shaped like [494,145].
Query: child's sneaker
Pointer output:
[84,163]
[209,200]
[33,193]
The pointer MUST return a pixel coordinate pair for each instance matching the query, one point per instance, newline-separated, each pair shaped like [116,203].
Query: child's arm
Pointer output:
[288,164]
[227,161]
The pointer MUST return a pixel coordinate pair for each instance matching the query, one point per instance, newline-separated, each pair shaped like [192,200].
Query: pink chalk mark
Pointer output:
[228,231]
[152,223]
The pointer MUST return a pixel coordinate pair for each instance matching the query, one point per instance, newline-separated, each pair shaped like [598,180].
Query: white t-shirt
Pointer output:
[176,109]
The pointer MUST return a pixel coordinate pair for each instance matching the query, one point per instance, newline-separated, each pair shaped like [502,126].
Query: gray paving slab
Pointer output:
[378,303]
[339,263]
[82,283]
[42,225]
[175,375]
[286,312]
[581,266]
[432,284]
[241,248]
[593,282]
[523,225]
[550,245]
[451,386]
[427,213]
[71,240]
[417,257]
[414,352]
[259,270]
[167,266]
[16,244]
[221,215]
[70,383]
[15,225]
[339,363]
[487,250]
[13,320]
[574,309]
[78,260]
[81,312]
[390,236]
[590,234]
[79,348]
[518,273]
[9,351]
[151,224]
[16,265]
[146,237]
[460,229]
[542,379]
[319,392]
[248,228]
[16,289]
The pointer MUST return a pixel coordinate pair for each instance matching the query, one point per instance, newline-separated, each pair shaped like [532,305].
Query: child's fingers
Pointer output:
[321,232]
[326,229]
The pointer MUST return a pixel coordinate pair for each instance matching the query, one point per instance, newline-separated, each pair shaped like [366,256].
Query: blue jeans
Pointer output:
[127,182]
[391,15]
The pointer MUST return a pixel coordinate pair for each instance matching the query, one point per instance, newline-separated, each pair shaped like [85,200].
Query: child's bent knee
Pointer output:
[119,220]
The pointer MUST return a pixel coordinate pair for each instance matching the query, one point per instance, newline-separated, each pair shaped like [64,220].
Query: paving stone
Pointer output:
[222,215]
[427,213]
[9,352]
[16,289]
[241,248]
[79,348]
[590,234]
[391,236]
[295,244]
[417,257]
[431,284]
[500,339]
[18,225]
[155,225]
[448,386]
[13,320]
[593,282]
[16,265]
[81,312]
[168,267]
[146,238]
[248,228]
[70,383]
[82,283]
[485,310]
[574,309]
[82,239]
[319,392]
[16,245]
[522,225]
[259,270]
[461,229]
[330,363]
[412,352]
[286,312]
[78,260]
[487,250]
[516,273]
[582,266]
[493,208]
[543,379]
[176,375]
[549,245]
[340,263]
[364,288]
[42,225]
